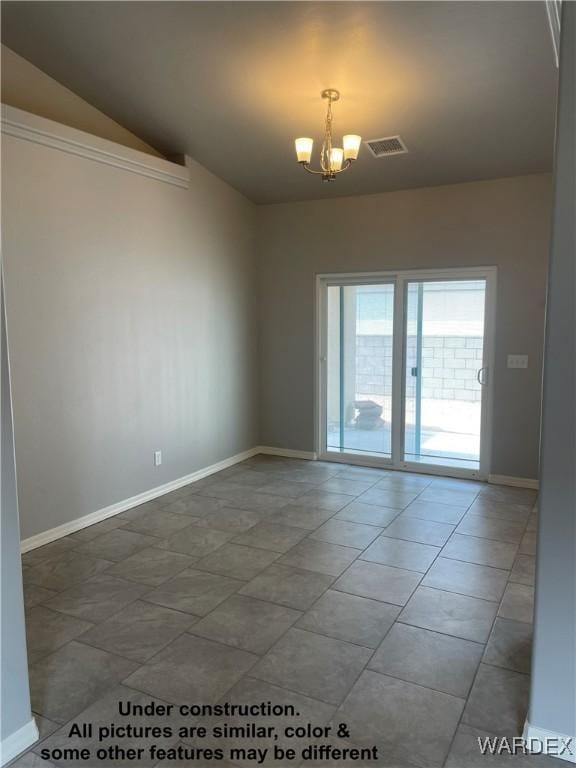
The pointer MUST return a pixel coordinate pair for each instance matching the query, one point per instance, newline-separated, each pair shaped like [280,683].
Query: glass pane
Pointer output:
[359,369]
[444,352]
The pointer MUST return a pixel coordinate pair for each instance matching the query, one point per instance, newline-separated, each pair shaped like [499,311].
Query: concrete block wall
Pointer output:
[449,366]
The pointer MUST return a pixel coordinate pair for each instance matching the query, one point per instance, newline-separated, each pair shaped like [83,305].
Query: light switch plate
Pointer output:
[517,361]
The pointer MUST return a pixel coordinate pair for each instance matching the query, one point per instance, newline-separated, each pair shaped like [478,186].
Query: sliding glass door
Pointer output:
[359,369]
[404,369]
[444,342]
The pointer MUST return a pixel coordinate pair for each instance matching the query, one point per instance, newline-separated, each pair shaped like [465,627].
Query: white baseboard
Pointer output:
[101,514]
[544,742]
[515,482]
[288,453]
[40,539]
[17,742]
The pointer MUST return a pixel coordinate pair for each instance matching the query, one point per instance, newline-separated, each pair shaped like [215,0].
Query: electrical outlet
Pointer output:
[157,458]
[517,361]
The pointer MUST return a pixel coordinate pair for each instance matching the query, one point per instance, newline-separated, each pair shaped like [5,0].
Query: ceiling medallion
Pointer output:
[333,160]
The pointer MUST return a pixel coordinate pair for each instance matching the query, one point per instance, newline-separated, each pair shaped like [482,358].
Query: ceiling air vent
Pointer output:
[391,145]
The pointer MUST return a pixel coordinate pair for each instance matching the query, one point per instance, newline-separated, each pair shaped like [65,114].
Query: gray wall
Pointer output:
[15,710]
[553,699]
[503,222]
[131,307]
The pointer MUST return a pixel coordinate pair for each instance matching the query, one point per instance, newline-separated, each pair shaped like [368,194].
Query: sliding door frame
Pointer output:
[400,279]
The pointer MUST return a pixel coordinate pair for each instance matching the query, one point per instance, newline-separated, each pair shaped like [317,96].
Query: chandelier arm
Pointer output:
[307,167]
[347,164]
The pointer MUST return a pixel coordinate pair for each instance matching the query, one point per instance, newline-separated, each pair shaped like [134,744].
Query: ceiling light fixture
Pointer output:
[333,160]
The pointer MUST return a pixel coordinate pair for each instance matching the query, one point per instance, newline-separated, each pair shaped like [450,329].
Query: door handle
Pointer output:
[482,376]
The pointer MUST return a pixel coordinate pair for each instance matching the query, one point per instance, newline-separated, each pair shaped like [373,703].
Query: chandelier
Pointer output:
[333,160]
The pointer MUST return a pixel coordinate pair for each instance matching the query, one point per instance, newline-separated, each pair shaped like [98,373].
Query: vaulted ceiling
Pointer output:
[469,86]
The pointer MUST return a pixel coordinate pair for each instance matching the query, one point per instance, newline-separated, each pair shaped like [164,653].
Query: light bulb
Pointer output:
[303,149]
[336,157]
[351,144]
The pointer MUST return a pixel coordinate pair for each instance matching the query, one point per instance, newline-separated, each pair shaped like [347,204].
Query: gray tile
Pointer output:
[286,488]
[509,495]
[499,701]
[237,561]
[277,538]
[326,499]
[524,570]
[467,579]
[195,541]
[229,519]
[421,531]
[514,513]
[159,523]
[192,669]
[301,516]
[452,497]
[517,603]
[253,692]
[152,566]
[368,514]
[379,582]
[528,543]
[45,727]
[384,497]
[319,556]
[345,485]
[431,510]
[48,630]
[104,713]
[246,623]
[428,658]
[465,753]
[410,732]
[350,618]
[34,595]
[490,528]
[98,598]
[64,571]
[244,497]
[361,473]
[401,554]
[139,631]
[288,586]
[404,481]
[31,760]
[196,506]
[457,484]
[314,665]
[346,533]
[47,552]
[67,681]
[154,505]
[510,645]
[194,592]
[449,613]
[498,554]
[93,531]
[116,545]
[244,476]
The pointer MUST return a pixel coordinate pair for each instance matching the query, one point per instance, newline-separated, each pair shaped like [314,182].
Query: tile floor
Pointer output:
[400,604]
